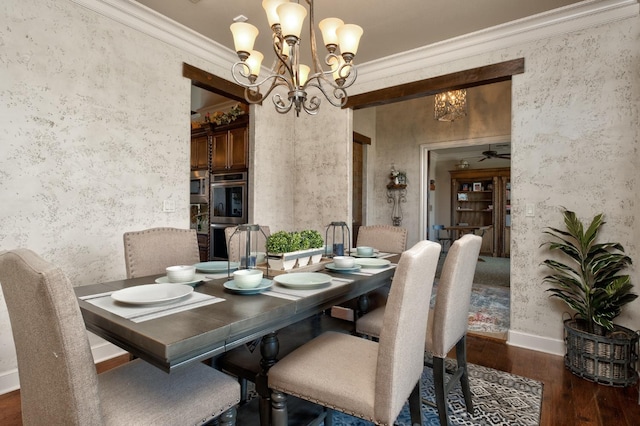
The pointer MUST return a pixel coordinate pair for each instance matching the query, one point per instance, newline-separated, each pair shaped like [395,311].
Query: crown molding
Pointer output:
[152,23]
[563,20]
[578,16]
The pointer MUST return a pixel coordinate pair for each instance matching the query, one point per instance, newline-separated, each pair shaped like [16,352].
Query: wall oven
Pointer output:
[228,194]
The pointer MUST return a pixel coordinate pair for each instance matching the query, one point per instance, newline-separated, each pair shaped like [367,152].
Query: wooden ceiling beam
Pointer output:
[213,83]
[458,80]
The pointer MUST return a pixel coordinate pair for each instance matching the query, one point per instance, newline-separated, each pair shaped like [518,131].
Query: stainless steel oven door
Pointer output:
[228,202]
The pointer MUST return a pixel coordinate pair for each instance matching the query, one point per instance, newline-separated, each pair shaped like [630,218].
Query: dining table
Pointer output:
[219,320]
[460,230]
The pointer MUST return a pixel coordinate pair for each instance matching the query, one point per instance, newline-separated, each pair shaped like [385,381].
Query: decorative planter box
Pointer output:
[300,258]
[608,359]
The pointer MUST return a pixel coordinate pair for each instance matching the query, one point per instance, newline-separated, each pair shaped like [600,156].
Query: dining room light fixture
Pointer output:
[451,105]
[286,20]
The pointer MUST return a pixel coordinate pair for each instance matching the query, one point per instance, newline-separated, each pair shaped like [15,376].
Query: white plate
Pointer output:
[151,293]
[197,279]
[364,257]
[233,288]
[217,266]
[373,263]
[332,267]
[303,280]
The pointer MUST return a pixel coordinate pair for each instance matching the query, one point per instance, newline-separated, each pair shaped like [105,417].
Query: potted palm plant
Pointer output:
[591,283]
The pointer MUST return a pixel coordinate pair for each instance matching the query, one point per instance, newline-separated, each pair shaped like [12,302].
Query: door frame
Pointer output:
[425,169]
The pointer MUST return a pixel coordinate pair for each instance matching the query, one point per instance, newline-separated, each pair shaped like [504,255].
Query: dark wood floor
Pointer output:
[567,399]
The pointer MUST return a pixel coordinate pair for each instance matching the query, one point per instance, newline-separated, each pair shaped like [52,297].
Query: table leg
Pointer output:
[269,347]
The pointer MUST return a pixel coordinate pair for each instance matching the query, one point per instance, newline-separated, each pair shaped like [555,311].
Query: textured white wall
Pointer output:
[95,135]
[95,120]
[574,127]
[402,127]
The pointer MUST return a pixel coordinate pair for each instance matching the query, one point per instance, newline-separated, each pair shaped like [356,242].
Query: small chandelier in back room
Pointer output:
[449,106]
[286,20]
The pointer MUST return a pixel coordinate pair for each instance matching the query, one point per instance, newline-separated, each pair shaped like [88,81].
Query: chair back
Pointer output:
[386,238]
[451,311]
[58,382]
[401,347]
[151,251]
[233,246]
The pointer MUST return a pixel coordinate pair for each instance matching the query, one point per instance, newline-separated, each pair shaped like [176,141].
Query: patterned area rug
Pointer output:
[499,398]
[489,310]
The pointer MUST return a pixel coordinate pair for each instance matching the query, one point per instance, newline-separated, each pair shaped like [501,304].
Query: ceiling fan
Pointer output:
[494,154]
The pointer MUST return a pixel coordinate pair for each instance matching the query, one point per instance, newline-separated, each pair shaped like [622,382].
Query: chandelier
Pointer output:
[449,106]
[286,20]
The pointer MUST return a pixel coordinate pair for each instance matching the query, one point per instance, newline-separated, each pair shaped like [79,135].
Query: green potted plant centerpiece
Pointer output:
[287,250]
[590,281]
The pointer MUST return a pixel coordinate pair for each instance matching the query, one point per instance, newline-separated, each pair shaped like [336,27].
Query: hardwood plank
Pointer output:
[566,398]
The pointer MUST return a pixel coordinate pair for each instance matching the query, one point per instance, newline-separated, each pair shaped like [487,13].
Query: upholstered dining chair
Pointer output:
[448,320]
[151,251]
[233,244]
[368,379]
[386,238]
[58,380]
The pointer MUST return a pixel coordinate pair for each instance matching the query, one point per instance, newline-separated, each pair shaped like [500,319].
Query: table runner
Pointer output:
[148,312]
[278,290]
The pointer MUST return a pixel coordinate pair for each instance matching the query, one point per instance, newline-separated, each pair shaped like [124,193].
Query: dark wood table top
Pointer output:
[199,333]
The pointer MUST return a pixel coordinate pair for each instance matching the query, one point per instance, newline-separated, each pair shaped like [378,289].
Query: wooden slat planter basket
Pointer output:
[609,359]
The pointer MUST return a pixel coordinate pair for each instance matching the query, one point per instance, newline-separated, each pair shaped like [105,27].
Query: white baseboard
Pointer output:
[536,343]
[9,380]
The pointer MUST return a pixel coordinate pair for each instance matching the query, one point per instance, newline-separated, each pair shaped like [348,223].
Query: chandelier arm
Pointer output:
[252,92]
[280,105]
[313,105]
[338,98]
[280,60]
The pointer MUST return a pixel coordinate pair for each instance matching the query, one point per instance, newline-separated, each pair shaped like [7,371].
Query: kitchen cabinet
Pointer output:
[199,149]
[481,198]
[230,146]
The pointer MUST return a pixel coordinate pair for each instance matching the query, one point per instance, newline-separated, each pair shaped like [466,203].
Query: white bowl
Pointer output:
[181,273]
[364,251]
[344,261]
[247,278]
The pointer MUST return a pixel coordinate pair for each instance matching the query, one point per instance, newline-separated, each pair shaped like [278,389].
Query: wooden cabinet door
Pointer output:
[199,152]
[238,148]
[219,151]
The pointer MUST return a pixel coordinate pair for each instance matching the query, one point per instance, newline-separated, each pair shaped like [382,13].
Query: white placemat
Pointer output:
[282,292]
[148,312]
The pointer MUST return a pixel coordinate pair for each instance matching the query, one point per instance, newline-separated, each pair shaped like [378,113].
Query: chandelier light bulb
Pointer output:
[328,27]
[244,37]
[303,74]
[254,61]
[291,19]
[269,7]
[349,39]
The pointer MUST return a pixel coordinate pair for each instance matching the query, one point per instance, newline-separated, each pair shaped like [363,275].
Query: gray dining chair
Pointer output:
[151,251]
[448,320]
[367,379]
[58,380]
[386,238]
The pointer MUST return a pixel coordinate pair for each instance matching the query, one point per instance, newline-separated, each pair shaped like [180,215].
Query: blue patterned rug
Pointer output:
[499,398]
[489,310]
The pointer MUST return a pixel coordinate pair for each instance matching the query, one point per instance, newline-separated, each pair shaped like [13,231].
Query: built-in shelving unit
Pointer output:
[480,198]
